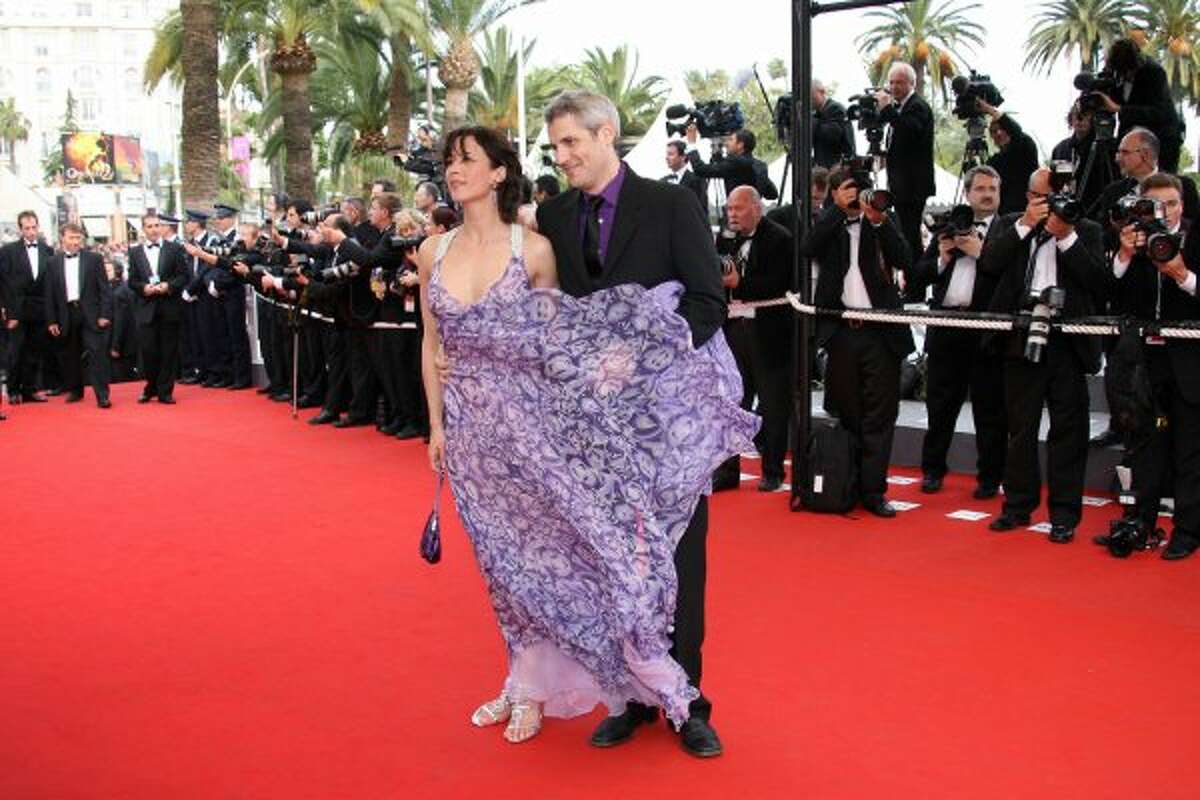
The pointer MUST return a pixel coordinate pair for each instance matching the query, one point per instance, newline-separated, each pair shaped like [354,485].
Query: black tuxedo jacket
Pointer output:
[1015,163]
[767,275]
[699,187]
[95,292]
[910,150]
[1150,105]
[833,134]
[659,235]
[1081,272]
[1178,305]
[124,324]
[881,252]
[735,171]
[21,296]
[172,270]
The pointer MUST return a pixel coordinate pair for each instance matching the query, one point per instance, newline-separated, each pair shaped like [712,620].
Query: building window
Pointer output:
[41,47]
[83,9]
[84,78]
[90,109]
[43,81]
[133,82]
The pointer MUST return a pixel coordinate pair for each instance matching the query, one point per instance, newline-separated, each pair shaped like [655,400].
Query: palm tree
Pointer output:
[405,26]
[350,92]
[928,37]
[1173,36]
[459,21]
[1067,26]
[200,131]
[14,127]
[613,76]
[494,103]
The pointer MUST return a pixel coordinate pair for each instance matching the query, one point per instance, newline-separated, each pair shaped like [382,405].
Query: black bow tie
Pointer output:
[853,222]
[152,245]
[31,245]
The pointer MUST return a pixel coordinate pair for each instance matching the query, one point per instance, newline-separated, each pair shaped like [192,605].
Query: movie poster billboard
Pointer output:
[128,162]
[88,158]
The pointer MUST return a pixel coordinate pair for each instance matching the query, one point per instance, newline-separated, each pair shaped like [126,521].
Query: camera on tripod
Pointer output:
[1149,217]
[968,89]
[1037,311]
[1093,87]
[713,119]
[863,109]
[862,173]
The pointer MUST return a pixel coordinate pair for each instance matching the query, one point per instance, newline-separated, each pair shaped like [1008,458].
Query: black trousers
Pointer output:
[1169,153]
[28,347]
[283,346]
[385,351]
[412,388]
[313,379]
[363,383]
[233,314]
[265,329]
[192,358]
[335,341]
[909,215]
[1058,384]
[80,342]
[862,388]
[958,368]
[159,346]
[214,338]
[766,381]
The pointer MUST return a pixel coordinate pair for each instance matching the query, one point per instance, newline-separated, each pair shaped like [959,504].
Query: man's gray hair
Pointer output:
[1147,139]
[589,109]
[906,68]
[973,173]
[818,84]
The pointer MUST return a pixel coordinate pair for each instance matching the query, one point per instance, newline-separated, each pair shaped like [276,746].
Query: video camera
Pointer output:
[862,172]
[1149,217]
[1091,87]
[864,110]
[969,88]
[714,118]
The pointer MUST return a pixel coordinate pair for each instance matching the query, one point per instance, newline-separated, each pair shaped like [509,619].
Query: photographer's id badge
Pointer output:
[378,287]
[1155,340]
[410,303]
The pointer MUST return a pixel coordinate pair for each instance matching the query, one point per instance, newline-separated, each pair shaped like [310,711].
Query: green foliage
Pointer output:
[718,85]
[52,164]
[614,75]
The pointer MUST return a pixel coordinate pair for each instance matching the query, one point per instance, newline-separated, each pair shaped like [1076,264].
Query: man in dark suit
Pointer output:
[736,167]
[909,150]
[858,250]
[1138,157]
[1034,251]
[231,303]
[1077,148]
[198,343]
[79,310]
[1143,99]
[158,275]
[614,227]
[758,266]
[832,133]
[1014,161]
[677,162]
[22,289]
[957,364]
[123,348]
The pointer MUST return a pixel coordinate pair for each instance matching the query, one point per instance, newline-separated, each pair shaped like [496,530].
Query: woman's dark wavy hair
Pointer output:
[500,153]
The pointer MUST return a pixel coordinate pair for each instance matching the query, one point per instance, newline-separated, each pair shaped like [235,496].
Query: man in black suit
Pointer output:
[758,266]
[1143,99]
[1077,148]
[736,167]
[158,275]
[231,302]
[614,227]
[1165,291]
[858,250]
[1034,251]
[1138,157]
[909,150]
[677,162]
[79,310]
[1014,161]
[198,342]
[22,289]
[958,366]
[833,134]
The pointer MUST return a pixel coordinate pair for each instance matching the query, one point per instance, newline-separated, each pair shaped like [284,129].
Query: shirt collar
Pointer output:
[612,191]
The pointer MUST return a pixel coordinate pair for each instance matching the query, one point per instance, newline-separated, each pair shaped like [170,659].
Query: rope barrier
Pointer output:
[382,326]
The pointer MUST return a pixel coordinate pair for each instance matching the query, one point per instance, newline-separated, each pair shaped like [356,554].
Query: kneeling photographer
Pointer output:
[1158,395]
[1048,261]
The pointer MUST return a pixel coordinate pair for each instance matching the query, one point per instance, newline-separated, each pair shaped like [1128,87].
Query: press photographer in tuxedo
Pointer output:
[859,249]
[1015,159]
[737,167]
[79,312]
[832,133]
[1036,251]
[677,163]
[158,275]
[23,265]
[909,149]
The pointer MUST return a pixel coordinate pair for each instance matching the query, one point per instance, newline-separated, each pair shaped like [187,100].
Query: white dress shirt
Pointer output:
[962,279]
[1045,268]
[71,273]
[1188,284]
[152,251]
[854,290]
[35,255]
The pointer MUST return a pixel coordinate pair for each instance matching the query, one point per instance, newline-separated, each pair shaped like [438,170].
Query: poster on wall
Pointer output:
[88,158]
[128,162]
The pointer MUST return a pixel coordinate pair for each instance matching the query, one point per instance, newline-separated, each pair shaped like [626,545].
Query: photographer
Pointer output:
[758,266]
[1036,256]
[1156,280]
[738,167]
[1138,158]
[832,133]
[1076,148]
[677,162]
[1135,88]
[858,249]
[426,197]
[909,149]
[957,363]
[1014,161]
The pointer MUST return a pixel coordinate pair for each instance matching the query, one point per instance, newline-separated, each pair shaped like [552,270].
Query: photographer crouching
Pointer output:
[1155,269]
[1049,261]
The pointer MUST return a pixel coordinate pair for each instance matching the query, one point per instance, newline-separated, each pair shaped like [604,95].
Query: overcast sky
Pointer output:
[673,37]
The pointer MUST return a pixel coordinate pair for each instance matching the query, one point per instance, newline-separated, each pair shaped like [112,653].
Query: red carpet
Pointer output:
[215,601]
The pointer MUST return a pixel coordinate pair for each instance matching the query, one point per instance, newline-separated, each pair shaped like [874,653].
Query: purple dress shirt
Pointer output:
[608,209]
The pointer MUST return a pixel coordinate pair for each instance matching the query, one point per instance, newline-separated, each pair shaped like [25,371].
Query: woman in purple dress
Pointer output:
[579,435]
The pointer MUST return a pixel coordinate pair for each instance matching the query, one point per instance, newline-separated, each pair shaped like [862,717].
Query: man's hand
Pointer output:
[409,279]
[845,194]
[1109,104]
[191,249]
[692,133]
[883,99]
[1174,269]
[729,274]
[987,108]
[115,353]
[149,289]
[1057,228]
[55,331]
[1036,210]
[970,243]
[874,217]
[12,324]
[241,269]
[946,247]
[101,323]
[1131,240]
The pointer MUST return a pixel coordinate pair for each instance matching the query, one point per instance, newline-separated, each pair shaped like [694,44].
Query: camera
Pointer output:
[1092,85]
[1148,217]
[397,242]
[785,112]
[1039,308]
[862,173]
[968,89]
[713,118]
[219,249]
[864,109]
[957,221]
[1126,535]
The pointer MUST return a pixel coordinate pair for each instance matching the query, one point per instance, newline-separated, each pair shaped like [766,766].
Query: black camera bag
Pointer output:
[831,474]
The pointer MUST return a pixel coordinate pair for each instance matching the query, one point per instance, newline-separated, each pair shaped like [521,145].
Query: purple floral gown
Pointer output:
[580,435]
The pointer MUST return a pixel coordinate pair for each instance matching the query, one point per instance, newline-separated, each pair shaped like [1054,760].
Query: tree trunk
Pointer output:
[200,131]
[298,179]
[456,108]
[399,94]
[264,82]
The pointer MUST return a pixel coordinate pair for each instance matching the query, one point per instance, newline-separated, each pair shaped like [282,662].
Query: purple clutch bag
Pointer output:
[431,537]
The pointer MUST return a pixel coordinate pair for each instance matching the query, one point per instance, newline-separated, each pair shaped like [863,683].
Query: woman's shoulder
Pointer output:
[428,250]
[537,245]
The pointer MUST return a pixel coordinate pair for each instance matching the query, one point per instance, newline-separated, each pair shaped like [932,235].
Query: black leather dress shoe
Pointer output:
[879,506]
[189,380]
[1008,522]
[1061,534]
[74,397]
[351,422]
[324,418]
[144,398]
[409,431]
[239,386]
[308,402]
[32,397]
[282,397]
[1179,547]
[105,403]
[931,484]
[1106,439]
[699,738]
[264,390]
[619,729]
[986,491]
[770,484]
[167,401]
[218,384]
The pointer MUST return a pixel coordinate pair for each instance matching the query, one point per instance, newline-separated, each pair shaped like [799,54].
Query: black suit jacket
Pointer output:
[833,134]
[1178,305]
[1150,105]
[124,324]
[1081,272]
[21,296]
[881,252]
[659,235]
[767,275]
[1015,163]
[910,150]
[95,292]
[1078,152]
[172,270]
[735,171]
[697,185]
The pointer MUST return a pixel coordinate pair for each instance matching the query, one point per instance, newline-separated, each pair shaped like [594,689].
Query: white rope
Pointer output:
[381,326]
